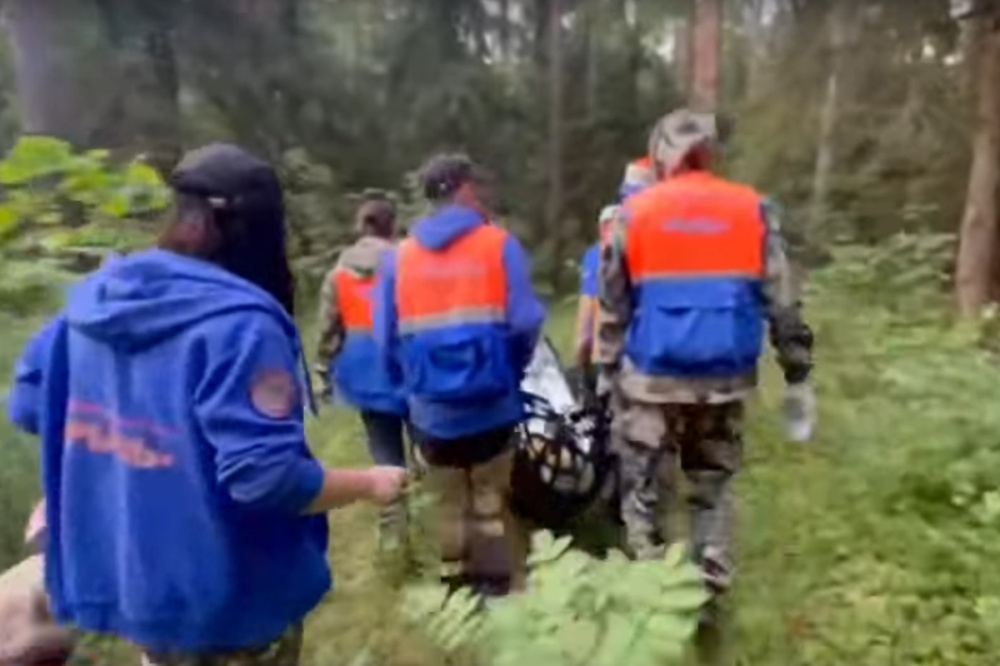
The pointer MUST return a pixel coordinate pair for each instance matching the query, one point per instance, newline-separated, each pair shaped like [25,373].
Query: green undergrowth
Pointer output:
[875,544]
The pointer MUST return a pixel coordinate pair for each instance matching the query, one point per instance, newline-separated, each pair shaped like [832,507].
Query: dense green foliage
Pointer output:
[580,611]
[873,544]
[61,210]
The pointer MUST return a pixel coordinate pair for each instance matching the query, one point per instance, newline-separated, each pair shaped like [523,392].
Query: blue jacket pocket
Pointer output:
[698,330]
[458,366]
[362,375]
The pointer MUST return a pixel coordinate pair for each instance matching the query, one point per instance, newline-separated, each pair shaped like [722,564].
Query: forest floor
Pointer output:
[825,571]
[786,494]
[831,569]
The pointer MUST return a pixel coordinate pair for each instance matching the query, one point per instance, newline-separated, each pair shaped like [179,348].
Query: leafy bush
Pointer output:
[578,611]
[60,209]
[48,187]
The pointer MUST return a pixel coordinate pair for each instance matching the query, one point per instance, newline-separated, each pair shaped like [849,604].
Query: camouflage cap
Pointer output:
[677,134]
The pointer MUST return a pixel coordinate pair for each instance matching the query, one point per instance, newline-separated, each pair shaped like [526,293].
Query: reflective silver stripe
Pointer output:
[484,315]
[688,276]
[357,329]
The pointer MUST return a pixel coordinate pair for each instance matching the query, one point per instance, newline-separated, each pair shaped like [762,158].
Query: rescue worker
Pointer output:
[586,314]
[347,356]
[638,176]
[455,305]
[693,271]
[184,507]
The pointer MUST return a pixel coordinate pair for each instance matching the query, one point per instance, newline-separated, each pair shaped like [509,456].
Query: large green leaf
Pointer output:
[35,157]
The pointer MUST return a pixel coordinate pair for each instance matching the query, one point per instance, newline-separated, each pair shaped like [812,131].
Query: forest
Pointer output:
[874,124]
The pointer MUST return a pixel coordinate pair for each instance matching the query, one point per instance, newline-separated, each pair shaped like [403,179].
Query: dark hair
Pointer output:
[229,210]
[377,217]
[699,158]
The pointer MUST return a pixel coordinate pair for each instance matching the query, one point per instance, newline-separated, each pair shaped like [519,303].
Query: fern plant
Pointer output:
[578,611]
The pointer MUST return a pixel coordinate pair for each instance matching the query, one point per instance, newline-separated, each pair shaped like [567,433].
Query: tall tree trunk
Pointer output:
[505,28]
[756,45]
[150,88]
[682,55]
[978,236]
[542,30]
[97,73]
[837,31]
[553,212]
[707,39]
[51,63]
[591,81]
[970,46]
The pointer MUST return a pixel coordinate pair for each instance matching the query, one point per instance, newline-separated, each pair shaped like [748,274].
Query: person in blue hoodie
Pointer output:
[454,306]
[347,358]
[185,509]
[638,176]
[586,315]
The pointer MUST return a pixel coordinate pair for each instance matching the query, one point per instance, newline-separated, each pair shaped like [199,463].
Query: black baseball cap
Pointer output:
[443,175]
[226,175]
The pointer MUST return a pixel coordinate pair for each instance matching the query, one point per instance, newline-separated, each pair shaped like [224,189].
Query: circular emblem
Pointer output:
[273,393]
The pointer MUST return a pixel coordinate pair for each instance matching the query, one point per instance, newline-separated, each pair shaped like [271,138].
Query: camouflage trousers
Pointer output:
[282,652]
[483,545]
[706,442]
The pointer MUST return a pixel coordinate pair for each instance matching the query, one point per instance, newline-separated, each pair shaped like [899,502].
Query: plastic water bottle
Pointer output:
[800,412]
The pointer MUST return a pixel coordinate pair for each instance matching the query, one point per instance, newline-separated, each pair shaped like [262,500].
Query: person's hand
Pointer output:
[607,384]
[800,411]
[386,483]
[582,353]
[36,523]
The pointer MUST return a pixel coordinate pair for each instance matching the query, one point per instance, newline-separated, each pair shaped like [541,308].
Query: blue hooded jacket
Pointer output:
[174,459]
[525,316]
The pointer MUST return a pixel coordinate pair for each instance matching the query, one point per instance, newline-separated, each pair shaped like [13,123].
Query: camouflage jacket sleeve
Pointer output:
[614,296]
[331,326]
[791,337]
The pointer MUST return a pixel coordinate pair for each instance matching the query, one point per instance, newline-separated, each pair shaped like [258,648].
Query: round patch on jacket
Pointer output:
[273,393]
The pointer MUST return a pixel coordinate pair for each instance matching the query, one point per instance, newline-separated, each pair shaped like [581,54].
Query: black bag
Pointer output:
[563,457]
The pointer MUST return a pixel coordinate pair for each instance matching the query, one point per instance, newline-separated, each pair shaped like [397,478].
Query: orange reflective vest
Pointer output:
[695,254]
[360,372]
[451,306]
[695,225]
[463,284]
[354,299]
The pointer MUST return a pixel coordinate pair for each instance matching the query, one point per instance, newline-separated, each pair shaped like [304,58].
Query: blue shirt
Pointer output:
[175,466]
[588,270]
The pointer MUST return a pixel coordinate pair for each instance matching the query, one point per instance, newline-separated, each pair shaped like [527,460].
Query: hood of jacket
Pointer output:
[446,225]
[139,300]
[364,257]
